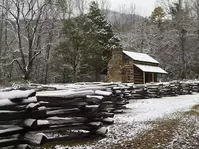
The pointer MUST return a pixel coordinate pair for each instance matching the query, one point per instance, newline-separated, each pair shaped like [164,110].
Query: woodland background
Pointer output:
[53,41]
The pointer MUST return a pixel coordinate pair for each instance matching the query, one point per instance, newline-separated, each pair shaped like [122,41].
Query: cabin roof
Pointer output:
[146,68]
[140,57]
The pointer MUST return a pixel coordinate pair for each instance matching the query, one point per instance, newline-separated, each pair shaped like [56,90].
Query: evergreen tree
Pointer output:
[88,43]
[72,48]
[101,28]
[158,15]
[102,39]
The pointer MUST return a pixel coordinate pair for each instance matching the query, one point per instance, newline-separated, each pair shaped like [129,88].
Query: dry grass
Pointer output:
[193,112]
[196,107]
[157,137]
[178,132]
[71,143]
[187,134]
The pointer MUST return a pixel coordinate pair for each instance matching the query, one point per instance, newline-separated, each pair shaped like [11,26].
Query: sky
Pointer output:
[142,7]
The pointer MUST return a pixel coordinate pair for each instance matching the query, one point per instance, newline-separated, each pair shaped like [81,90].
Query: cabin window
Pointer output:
[148,77]
[126,60]
[129,74]
[155,77]
[128,78]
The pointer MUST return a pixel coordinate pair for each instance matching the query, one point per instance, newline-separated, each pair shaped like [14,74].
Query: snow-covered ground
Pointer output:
[136,116]
[150,109]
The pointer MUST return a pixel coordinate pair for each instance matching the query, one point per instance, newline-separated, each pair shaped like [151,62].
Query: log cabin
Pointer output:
[133,67]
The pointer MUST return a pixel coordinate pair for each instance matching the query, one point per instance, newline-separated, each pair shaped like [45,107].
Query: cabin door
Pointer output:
[148,77]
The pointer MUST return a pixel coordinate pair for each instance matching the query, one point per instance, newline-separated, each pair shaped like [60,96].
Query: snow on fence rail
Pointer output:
[28,118]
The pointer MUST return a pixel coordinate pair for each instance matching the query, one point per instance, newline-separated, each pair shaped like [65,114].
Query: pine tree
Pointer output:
[88,43]
[102,28]
[157,16]
[72,48]
[102,39]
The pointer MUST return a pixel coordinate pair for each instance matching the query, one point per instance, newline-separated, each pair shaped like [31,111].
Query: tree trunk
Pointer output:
[1,36]
[27,73]
[26,77]
[49,40]
[64,76]
[97,76]
[74,79]
[182,43]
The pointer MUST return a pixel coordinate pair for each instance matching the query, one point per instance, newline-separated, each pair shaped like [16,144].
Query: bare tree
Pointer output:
[51,18]
[125,18]
[4,70]
[26,23]
[81,6]
[65,8]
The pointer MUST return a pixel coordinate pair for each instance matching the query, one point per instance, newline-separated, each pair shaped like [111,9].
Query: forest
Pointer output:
[61,41]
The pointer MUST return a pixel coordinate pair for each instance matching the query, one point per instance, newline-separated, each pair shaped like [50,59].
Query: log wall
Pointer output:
[132,74]
[138,76]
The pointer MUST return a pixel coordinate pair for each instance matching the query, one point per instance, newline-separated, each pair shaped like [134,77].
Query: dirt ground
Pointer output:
[179,132]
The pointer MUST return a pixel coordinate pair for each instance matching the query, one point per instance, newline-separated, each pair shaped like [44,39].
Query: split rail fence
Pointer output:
[37,114]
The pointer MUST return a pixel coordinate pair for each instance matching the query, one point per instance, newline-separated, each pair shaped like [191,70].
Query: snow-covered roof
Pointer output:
[147,68]
[140,57]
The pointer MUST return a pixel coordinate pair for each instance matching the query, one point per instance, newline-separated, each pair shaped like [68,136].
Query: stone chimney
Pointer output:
[115,66]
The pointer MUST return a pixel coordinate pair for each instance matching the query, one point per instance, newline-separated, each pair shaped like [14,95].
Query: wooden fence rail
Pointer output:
[27,119]
[39,114]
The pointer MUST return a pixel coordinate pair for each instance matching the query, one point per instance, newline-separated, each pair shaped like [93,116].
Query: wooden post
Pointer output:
[144,77]
[153,79]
